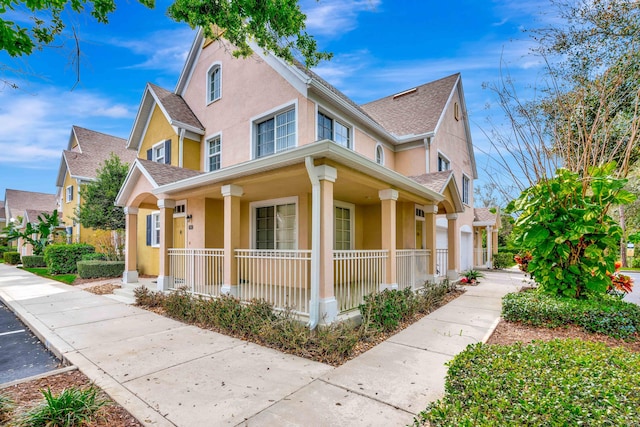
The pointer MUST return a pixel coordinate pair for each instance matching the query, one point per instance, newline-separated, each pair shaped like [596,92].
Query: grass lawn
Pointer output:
[43,272]
[630,269]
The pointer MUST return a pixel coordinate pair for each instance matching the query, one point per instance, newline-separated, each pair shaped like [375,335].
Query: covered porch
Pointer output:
[313,230]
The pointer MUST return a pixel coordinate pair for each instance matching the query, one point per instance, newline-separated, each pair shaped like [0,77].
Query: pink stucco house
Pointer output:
[258,178]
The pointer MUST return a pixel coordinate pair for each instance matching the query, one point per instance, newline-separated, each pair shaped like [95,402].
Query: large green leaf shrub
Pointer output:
[563,223]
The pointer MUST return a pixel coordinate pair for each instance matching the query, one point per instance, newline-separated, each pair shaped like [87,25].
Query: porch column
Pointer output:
[130,274]
[479,257]
[231,194]
[489,246]
[165,279]
[328,305]
[388,198]
[454,247]
[430,212]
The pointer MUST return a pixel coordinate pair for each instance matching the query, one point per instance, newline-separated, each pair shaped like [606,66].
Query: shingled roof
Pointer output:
[166,174]
[415,111]
[2,214]
[484,215]
[176,107]
[435,181]
[18,201]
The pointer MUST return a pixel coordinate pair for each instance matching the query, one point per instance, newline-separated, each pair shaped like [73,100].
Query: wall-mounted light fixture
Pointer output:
[189,217]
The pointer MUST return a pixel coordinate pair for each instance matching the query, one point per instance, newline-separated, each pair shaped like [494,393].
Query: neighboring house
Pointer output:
[258,178]
[3,216]
[486,225]
[86,152]
[22,207]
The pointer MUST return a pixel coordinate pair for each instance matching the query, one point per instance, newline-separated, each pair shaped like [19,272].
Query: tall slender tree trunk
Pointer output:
[623,239]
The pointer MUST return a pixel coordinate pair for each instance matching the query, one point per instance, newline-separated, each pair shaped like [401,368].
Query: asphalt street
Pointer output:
[21,354]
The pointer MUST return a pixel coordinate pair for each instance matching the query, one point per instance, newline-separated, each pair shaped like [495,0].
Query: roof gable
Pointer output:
[440,182]
[18,201]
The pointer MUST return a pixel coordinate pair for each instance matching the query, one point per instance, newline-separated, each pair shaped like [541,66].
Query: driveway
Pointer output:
[22,355]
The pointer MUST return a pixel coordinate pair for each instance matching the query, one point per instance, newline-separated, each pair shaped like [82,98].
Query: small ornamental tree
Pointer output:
[38,236]
[563,223]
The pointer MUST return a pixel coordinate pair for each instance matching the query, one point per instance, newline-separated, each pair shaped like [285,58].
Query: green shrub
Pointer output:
[33,261]
[6,407]
[11,258]
[556,383]
[63,259]
[148,298]
[604,314]
[92,269]
[385,310]
[94,256]
[636,261]
[4,249]
[503,260]
[72,407]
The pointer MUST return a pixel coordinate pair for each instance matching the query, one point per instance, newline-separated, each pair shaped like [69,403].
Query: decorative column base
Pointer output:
[229,290]
[130,276]
[164,283]
[328,310]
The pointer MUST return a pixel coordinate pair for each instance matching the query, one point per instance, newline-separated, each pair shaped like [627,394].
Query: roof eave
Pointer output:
[129,182]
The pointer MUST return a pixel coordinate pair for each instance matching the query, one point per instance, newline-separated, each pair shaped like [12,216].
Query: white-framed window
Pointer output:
[275,224]
[466,185]
[335,130]
[155,229]
[443,163]
[379,154]
[69,193]
[343,222]
[275,133]
[214,83]
[214,146]
[160,152]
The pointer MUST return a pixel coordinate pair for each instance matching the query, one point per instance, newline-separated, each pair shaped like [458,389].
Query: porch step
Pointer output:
[125,293]
[121,298]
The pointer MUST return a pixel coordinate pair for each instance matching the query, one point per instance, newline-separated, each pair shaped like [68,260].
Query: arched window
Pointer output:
[214,81]
[379,154]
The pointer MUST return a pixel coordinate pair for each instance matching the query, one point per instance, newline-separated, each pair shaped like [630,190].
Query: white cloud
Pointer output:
[36,125]
[332,18]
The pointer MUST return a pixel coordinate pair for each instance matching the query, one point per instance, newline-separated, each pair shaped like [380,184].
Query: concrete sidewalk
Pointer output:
[167,373]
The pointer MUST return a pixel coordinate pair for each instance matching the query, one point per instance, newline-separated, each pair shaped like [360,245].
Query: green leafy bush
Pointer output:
[72,407]
[33,261]
[11,258]
[636,261]
[385,310]
[556,383]
[604,314]
[147,298]
[4,249]
[503,260]
[6,407]
[94,256]
[63,259]
[92,269]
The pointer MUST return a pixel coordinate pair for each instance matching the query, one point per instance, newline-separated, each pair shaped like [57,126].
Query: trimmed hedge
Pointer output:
[11,258]
[4,249]
[63,259]
[94,256]
[556,383]
[97,268]
[604,314]
[33,261]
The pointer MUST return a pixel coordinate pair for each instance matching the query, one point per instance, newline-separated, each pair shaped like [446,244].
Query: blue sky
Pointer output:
[380,47]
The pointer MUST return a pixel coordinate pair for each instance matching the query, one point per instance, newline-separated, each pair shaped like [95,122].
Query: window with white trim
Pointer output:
[275,225]
[466,185]
[155,229]
[158,153]
[379,155]
[69,193]
[443,163]
[213,83]
[213,153]
[343,226]
[336,131]
[276,133]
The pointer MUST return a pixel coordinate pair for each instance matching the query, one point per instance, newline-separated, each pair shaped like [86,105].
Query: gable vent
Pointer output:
[406,92]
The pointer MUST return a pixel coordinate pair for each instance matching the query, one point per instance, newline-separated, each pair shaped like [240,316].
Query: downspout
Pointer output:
[315,243]
[427,149]
[180,147]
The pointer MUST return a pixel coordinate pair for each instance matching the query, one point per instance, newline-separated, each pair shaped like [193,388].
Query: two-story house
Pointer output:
[86,152]
[22,207]
[258,178]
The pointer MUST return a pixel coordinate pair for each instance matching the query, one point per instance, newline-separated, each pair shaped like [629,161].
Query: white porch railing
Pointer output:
[281,277]
[356,274]
[442,262]
[481,257]
[200,270]
[412,267]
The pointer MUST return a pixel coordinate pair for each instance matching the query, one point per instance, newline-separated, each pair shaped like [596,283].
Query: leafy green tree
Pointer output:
[275,25]
[38,236]
[97,209]
[563,222]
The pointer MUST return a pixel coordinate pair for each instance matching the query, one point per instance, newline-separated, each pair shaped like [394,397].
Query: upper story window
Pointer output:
[161,152]
[466,185]
[213,153]
[443,163]
[213,83]
[69,193]
[275,225]
[276,133]
[379,155]
[329,128]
